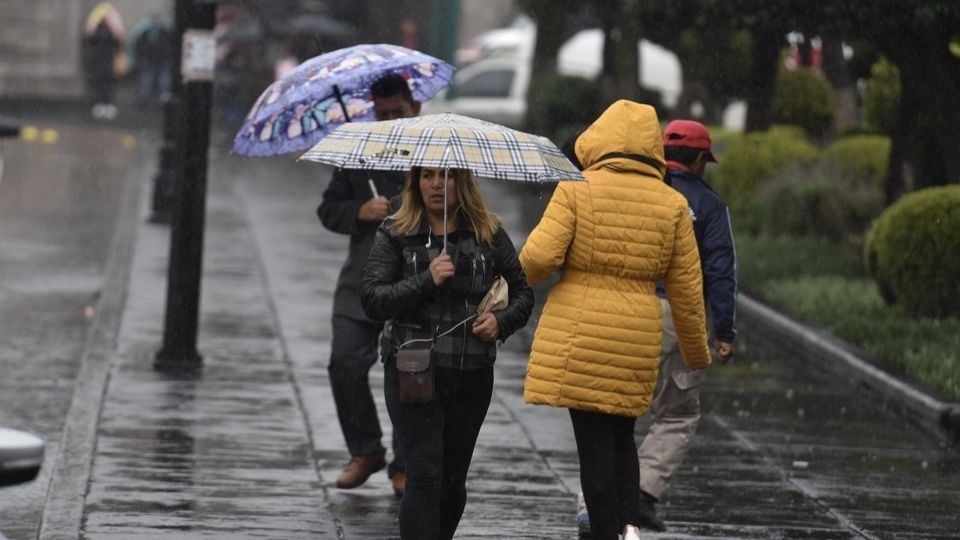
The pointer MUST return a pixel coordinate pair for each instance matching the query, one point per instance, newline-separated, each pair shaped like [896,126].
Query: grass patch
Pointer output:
[819,282]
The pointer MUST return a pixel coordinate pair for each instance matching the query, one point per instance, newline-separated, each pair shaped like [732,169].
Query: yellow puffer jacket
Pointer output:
[597,344]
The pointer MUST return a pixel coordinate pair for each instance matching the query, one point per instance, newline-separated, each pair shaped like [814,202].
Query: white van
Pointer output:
[493,86]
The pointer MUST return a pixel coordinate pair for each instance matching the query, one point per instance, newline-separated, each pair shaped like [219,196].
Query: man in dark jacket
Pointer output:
[355,203]
[676,400]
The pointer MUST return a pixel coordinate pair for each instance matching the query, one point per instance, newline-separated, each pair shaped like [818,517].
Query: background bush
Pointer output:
[752,160]
[804,98]
[859,161]
[913,252]
[562,104]
[881,96]
[813,201]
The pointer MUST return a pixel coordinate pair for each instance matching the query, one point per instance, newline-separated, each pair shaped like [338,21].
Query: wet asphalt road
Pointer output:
[249,448]
[59,198]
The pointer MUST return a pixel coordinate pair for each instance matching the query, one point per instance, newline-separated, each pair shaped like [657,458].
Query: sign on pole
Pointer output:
[199,55]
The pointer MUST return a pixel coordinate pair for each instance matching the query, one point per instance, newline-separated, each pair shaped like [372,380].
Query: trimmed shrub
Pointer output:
[810,201]
[752,160]
[881,96]
[859,160]
[804,98]
[559,102]
[913,252]
[796,206]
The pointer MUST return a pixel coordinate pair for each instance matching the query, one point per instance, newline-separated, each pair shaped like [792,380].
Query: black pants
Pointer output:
[609,471]
[353,353]
[438,439]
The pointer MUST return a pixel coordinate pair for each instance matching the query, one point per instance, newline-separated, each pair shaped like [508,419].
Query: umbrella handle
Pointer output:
[339,96]
[446,171]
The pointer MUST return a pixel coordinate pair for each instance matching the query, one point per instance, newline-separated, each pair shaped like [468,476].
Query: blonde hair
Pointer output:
[408,218]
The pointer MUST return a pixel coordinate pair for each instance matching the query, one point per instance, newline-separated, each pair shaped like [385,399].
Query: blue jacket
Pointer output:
[718,259]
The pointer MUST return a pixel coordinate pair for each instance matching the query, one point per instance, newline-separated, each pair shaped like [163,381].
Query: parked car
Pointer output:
[7,129]
[21,455]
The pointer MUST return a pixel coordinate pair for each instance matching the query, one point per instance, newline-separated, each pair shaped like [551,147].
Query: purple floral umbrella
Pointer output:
[301,108]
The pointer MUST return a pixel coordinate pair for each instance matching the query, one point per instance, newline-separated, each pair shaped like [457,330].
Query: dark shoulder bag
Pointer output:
[415,371]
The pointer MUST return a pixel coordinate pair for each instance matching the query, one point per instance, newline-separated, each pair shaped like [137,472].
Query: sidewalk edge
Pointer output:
[828,353]
[63,508]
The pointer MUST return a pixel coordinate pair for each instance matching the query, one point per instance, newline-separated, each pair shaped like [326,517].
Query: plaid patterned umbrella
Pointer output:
[445,141]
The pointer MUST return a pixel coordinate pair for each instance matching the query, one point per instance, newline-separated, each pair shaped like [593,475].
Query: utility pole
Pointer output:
[179,350]
[165,181]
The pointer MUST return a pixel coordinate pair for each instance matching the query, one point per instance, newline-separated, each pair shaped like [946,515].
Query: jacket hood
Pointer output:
[626,137]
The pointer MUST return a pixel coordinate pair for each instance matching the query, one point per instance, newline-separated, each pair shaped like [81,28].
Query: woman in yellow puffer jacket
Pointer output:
[597,345]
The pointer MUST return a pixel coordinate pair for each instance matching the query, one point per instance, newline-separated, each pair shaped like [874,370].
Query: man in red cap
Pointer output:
[676,401]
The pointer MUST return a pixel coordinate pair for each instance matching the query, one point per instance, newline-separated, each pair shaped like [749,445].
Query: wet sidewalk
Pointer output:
[249,447]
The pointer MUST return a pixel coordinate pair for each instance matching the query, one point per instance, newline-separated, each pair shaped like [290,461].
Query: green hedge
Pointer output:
[751,161]
[804,98]
[860,161]
[913,252]
[881,96]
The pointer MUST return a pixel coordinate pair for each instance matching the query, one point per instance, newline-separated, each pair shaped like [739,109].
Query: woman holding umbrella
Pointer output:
[429,291]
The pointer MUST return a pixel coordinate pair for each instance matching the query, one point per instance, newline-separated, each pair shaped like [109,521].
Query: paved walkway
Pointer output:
[249,447]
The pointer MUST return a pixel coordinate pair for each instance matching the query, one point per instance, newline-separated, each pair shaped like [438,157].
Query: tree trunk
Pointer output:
[835,70]
[765,57]
[628,60]
[551,33]
[609,13]
[894,183]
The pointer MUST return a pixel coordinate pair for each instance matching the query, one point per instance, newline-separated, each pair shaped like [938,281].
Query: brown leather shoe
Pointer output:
[399,481]
[358,470]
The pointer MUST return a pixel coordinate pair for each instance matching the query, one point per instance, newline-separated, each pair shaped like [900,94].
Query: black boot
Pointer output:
[648,513]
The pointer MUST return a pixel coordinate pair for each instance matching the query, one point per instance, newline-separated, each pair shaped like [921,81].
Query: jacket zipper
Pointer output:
[466,308]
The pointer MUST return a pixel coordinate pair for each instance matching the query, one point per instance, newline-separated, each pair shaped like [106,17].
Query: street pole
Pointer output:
[164,183]
[179,350]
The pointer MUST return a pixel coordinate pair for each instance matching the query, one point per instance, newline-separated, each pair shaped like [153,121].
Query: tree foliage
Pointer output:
[732,48]
[804,98]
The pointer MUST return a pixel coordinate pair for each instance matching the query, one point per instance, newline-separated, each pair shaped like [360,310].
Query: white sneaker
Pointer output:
[583,519]
[630,533]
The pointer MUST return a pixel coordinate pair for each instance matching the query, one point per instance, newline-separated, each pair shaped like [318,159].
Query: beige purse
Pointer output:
[496,298]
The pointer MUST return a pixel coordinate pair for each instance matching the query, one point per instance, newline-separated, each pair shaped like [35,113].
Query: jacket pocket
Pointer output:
[689,378]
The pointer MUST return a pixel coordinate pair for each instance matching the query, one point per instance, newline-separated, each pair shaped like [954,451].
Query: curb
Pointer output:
[63,508]
[823,351]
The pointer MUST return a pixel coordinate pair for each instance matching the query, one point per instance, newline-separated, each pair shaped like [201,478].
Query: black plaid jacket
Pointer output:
[397,287]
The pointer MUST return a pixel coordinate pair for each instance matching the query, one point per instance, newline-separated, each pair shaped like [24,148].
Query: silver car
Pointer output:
[21,455]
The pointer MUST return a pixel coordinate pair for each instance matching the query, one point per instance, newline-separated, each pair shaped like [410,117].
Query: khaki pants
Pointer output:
[675,411]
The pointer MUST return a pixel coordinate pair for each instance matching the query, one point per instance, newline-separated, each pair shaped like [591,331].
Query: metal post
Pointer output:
[179,350]
[166,179]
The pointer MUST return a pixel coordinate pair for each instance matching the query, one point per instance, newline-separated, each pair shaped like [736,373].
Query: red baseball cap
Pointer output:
[690,134]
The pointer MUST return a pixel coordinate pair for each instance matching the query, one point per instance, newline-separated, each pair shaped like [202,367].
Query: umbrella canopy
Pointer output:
[305,105]
[445,141]
[105,12]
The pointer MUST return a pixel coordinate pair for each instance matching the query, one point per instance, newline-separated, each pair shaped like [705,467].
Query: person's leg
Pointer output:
[353,353]
[467,405]
[676,414]
[147,80]
[598,471]
[627,471]
[419,429]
